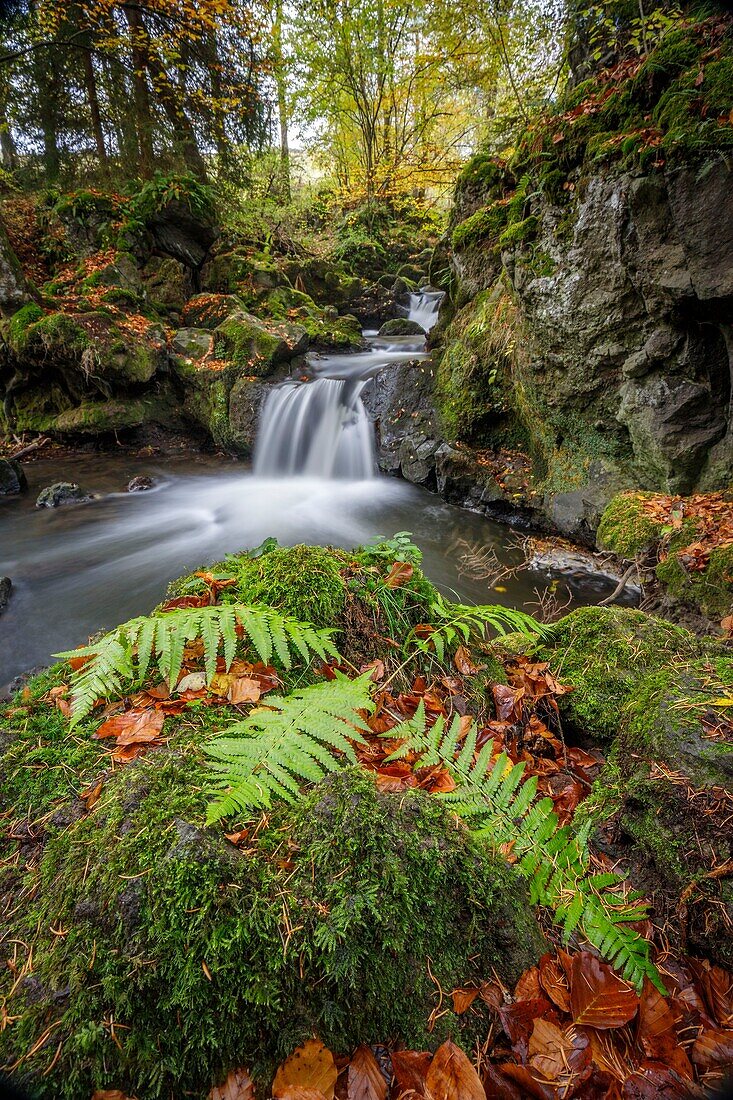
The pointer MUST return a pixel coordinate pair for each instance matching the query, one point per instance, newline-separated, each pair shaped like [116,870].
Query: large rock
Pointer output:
[61,493]
[621,348]
[401,326]
[14,289]
[178,232]
[12,478]
[255,348]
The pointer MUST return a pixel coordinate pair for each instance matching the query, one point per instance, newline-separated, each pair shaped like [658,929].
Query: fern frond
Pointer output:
[502,809]
[455,622]
[124,656]
[301,736]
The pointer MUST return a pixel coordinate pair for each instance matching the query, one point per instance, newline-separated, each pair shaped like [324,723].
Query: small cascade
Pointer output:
[316,429]
[424,307]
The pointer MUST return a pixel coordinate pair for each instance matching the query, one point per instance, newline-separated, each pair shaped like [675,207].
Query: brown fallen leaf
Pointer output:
[451,1075]
[111,1094]
[91,795]
[365,1079]
[463,999]
[598,997]
[560,1056]
[238,1086]
[400,573]
[132,726]
[410,1068]
[244,690]
[463,662]
[311,1066]
[299,1092]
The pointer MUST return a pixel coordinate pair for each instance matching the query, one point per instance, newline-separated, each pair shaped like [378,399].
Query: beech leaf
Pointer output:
[365,1080]
[452,1077]
[238,1086]
[598,997]
[310,1066]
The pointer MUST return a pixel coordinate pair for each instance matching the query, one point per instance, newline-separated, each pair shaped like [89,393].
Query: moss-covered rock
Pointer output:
[401,326]
[209,310]
[664,797]
[338,919]
[626,527]
[99,417]
[168,284]
[257,350]
[603,652]
[710,589]
[304,581]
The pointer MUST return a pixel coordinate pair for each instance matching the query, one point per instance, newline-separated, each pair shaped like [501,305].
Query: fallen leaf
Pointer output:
[182,602]
[365,1079]
[451,1075]
[133,726]
[410,1068]
[311,1066]
[554,982]
[111,1094]
[400,573]
[91,795]
[598,997]
[463,662]
[563,1057]
[244,690]
[713,1050]
[238,1086]
[300,1092]
[194,681]
[463,999]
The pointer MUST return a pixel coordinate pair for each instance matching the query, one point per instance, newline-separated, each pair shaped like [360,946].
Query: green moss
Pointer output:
[626,528]
[207,958]
[603,652]
[486,224]
[473,387]
[303,581]
[484,169]
[519,231]
[710,589]
[20,323]
[242,340]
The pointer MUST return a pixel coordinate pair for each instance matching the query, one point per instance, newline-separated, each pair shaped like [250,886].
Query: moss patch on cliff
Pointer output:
[626,527]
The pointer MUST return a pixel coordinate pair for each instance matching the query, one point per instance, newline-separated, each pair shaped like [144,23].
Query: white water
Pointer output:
[320,428]
[424,307]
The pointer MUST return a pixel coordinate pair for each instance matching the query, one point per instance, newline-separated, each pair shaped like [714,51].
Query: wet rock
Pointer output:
[6,586]
[373,306]
[461,480]
[401,326]
[61,493]
[192,343]
[12,478]
[140,484]
[168,284]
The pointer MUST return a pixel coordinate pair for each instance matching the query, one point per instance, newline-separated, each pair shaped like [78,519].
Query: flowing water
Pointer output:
[82,568]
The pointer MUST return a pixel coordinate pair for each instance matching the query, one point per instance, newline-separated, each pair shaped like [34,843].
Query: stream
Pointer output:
[81,568]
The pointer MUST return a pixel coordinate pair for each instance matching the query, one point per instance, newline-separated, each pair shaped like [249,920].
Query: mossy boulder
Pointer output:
[12,478]
[62,493]
[258,350]
[710,589]
[303,581]
[100,417]
[401,326]
[121,272]
[86,345]
[338,919]
[664,797]
[168,284]
[192,343]
[603,653]
[626,527]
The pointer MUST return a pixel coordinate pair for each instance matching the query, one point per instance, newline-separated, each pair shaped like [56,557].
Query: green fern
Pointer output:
[297,737]
[500,807]
[123,657]
[459,623]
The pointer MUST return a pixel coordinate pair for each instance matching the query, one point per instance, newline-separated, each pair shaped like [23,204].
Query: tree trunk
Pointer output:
[90,80]
[282,102]
[7,142]
[141,98]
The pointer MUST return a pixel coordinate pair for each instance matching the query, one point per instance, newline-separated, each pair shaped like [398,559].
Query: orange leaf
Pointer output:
[452,1077]
[563,1057]
[598,997]
[410,1068]
[237,1086]
[365,1080]
[186,601]
[463,999]
[244,690]
[111,1094]
[400,573]
[554,982]
[310,1066]
[91,795]
[300,1092]
[463,662]
[713,1050]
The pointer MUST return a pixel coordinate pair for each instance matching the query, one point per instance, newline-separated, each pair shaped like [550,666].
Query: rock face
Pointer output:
[14,291]
[62,492]
[12,478]
[622,369]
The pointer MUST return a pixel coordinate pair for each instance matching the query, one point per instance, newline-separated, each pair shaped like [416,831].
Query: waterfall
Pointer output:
[424,307]
[320,428]
[316,429]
